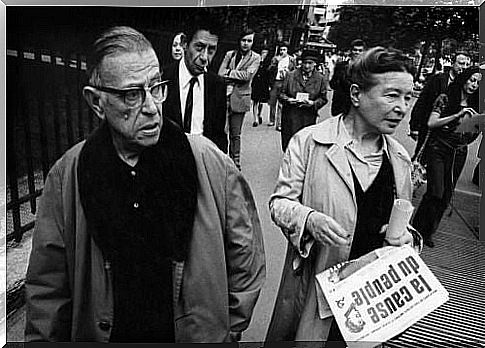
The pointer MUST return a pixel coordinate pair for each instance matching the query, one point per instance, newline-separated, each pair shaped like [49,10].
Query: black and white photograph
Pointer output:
[185,173]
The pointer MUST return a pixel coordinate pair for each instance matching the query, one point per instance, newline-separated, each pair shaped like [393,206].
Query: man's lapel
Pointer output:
[207,104]
[176,96]
[245,61]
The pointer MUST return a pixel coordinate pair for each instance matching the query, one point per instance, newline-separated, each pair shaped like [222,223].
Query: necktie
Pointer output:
[188,106]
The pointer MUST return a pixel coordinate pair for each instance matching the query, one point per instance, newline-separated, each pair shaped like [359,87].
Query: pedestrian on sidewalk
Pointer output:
[435,85]
[339,82]
[196,98]
[335,191]
[143,233]
[280,65]
[303,93]
[238,69]
[447,149]
[261,87]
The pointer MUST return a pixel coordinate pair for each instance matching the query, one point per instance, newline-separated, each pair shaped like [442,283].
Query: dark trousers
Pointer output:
[421,137]
[236,120]
[273,99]
[444,168]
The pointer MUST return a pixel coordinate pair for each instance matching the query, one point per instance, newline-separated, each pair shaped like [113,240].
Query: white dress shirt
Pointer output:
[197,125]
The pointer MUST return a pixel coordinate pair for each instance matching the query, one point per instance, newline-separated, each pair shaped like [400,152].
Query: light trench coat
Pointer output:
[69,290]
[315,175]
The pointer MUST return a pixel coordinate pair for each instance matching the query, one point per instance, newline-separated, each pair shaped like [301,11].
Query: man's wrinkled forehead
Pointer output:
[125,65]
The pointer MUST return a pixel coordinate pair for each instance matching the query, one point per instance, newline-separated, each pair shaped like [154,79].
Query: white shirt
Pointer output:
[197,124]
[283,65]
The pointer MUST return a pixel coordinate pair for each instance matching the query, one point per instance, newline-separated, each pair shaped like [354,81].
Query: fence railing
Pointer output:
[46,114]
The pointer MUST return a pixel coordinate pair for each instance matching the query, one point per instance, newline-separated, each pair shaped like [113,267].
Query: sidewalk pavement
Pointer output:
[457,260]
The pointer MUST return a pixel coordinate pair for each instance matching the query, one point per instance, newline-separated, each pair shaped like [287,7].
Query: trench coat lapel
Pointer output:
[336,156]
[244,60]
[399,165]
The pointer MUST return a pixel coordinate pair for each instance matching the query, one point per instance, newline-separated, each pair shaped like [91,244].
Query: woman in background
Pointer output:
[446,149]
[261,87]
[178,44]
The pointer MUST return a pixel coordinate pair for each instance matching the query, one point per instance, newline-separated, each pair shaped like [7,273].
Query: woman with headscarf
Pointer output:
[303,93]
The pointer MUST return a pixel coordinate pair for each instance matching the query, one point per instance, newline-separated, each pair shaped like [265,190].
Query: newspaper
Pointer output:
[380,295]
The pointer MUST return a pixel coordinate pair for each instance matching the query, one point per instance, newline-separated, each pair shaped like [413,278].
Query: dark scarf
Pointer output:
[174,179]
[142,242]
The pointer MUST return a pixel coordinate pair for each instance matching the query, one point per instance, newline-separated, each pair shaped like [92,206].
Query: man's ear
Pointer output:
[355,94]
[94,101]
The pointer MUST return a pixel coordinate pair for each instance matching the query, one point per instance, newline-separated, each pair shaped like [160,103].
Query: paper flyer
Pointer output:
[382,297]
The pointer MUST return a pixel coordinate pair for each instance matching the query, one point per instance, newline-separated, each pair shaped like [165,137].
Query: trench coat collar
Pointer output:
[327,133]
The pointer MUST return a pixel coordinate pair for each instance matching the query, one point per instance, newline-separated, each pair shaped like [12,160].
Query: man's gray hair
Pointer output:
[120,39]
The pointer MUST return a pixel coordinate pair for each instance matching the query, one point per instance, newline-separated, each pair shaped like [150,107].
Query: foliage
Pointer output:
[403,27]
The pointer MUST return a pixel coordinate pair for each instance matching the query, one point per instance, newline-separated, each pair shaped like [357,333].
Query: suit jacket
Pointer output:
[436,85]
[240,77]
[340,99]
[214,104]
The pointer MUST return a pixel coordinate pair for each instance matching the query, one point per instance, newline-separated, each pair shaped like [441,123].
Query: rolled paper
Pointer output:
[400,215]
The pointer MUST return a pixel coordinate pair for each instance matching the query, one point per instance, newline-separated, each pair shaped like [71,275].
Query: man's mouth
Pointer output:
[150,129]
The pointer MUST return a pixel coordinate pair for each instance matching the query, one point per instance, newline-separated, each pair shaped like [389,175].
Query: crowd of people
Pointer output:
[148,231]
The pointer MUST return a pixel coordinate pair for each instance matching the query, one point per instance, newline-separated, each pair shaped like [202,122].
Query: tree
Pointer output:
[403,27]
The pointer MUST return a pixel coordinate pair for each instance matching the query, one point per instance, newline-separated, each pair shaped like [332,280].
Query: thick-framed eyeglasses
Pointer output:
[135,97]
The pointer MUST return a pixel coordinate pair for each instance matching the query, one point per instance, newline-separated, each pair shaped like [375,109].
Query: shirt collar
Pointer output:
[185,75]
[344,138]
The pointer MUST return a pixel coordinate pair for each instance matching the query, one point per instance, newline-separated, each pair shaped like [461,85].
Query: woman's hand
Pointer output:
[410,236]
[326,230]
[405,238]
[306,103]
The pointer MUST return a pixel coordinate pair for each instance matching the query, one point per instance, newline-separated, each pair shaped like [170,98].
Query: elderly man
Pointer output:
[303,93]
[339,82]
[335,191]
[238,68]
[196,98]
[435,85]
[143,234]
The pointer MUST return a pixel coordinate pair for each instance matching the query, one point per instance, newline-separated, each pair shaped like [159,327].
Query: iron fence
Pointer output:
[46,114]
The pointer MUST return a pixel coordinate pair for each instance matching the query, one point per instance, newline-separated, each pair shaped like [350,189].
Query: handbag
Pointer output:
[418,170]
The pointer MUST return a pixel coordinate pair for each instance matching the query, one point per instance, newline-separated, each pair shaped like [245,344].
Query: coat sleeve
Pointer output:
[422,108]
[224,68]
[221,110]
[247,74]
[47,290]
[244,250]
[285,89]
[285,205]
[322,95]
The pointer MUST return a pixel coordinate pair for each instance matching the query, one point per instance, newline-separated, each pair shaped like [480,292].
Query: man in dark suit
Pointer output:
[435,85]
[196,98]
[339,84]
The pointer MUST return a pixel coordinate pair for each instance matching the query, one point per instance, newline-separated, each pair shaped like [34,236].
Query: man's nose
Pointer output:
[149,106]
[203,55]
